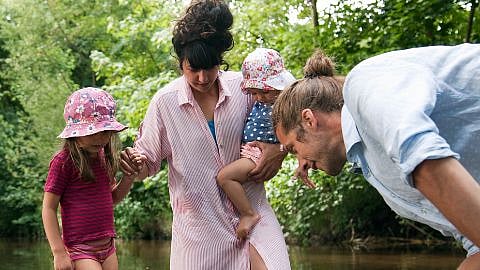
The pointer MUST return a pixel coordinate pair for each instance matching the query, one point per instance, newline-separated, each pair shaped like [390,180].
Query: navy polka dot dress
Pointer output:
[259,124]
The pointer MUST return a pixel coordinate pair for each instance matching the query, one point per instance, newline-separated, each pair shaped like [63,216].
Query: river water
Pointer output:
[153,255]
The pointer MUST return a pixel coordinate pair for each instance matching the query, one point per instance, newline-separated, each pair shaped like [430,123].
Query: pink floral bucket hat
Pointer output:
[89,111]
[264,69]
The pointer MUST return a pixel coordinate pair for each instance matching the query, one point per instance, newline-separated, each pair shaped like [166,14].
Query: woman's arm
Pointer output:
[61,258]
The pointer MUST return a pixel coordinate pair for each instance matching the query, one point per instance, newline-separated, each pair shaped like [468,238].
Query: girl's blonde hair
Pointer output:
[320,90]
[110,158]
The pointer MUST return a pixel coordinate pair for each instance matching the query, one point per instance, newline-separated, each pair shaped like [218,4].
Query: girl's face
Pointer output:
[261,95]
[201,80]
[92,144]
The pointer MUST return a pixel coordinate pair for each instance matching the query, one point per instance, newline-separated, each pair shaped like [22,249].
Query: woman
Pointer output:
[196,124]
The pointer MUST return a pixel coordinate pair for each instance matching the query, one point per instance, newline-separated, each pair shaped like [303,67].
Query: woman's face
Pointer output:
[201,80]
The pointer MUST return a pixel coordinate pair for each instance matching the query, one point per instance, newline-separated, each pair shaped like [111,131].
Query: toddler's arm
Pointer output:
[61,259]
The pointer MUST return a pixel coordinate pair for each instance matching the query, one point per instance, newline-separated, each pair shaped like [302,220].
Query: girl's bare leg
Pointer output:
[111,263]
[87,264]
[230,179]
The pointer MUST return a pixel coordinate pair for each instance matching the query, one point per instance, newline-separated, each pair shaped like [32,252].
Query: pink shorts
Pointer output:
[97,250]
[251,152]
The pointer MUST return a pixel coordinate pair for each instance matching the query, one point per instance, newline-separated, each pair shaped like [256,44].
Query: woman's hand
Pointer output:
[132,162]
[270,162]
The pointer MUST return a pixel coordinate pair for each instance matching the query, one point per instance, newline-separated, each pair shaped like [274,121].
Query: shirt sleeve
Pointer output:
[57,177]
[152,140]
[392,103]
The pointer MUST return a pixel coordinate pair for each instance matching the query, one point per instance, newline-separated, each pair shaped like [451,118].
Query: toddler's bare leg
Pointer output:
[230,179]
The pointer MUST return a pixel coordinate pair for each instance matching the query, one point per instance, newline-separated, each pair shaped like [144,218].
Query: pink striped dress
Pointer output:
[204,220]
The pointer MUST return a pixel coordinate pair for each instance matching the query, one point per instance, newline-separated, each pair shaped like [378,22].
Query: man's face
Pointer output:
[322,143]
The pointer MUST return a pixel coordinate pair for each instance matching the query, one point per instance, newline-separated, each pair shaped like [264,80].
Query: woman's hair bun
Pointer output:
[319,64]
[203,34]
[221,17]
[207,20]
[211,15]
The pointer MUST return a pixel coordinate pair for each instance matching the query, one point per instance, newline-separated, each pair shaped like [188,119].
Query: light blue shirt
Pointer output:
[407,106]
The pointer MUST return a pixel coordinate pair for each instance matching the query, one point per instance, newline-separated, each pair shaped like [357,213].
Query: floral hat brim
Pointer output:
[279,82]
[85,129]
[88,111]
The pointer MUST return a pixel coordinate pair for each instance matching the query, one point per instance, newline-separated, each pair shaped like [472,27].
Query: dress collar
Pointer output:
[185,95]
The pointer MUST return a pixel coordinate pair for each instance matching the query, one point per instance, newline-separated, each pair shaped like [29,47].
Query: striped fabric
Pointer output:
[204,220]
[86,208]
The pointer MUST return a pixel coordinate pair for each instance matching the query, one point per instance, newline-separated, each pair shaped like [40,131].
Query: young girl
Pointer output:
[264,76]
[81,179]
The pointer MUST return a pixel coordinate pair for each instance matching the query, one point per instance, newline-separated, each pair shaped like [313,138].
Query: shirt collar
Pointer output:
[349,131]
[185,95]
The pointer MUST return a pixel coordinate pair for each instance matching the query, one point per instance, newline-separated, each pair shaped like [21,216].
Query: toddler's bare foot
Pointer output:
[246,224]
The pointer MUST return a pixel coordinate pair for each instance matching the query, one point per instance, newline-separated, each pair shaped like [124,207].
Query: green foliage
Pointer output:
[19,174]
[19,170]
[331,211]
[37,70]
[146,212]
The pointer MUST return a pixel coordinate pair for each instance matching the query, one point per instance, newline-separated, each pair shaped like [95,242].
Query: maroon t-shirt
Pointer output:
[86,207]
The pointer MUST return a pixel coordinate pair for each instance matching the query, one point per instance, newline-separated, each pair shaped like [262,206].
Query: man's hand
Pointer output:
[302,173]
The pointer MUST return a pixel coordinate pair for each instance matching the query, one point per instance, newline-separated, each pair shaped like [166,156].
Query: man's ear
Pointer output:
[308,119]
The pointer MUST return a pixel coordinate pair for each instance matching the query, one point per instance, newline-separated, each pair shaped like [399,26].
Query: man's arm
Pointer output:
[449,186]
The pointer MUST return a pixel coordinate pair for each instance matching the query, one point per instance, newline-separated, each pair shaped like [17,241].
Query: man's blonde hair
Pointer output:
[319,90]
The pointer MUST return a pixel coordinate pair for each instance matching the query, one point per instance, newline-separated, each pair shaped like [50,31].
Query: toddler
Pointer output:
[264,76]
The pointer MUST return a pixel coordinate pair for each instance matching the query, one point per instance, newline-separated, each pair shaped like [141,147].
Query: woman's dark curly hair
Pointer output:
[202,35]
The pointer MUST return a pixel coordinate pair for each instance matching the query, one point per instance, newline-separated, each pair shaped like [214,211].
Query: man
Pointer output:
[409,120]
